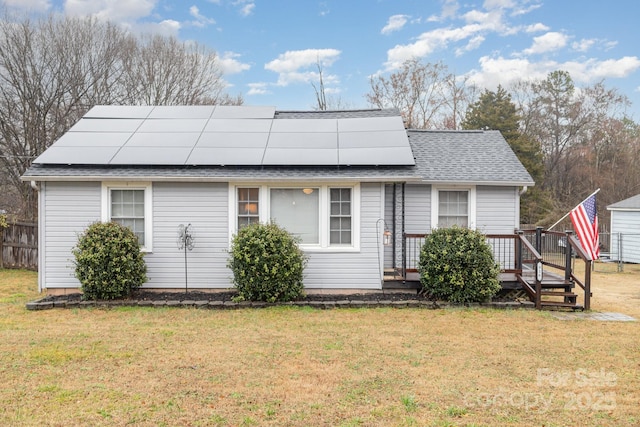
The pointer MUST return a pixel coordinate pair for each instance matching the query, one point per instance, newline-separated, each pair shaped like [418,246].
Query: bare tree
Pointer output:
[417,89]
[321,97]
[164,71]
[52,71]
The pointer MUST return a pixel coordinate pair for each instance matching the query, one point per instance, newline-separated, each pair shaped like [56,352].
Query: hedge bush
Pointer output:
[457,265]
[109,263]
[267,264]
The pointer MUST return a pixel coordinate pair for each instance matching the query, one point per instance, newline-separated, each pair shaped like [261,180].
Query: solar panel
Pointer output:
[106,125]
[77,155]
[243,112]
[231,140]
[155,156]
[305,125]
[235,125]
[303,140]
[227,135]
[376,157]
[173,125]
[119,111]
[300,156]
[182,112]
[79,139]
[225,156]
[172,139]
[371,139]
[370,124]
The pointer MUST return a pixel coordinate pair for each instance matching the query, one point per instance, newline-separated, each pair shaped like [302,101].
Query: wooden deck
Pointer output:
[520,255]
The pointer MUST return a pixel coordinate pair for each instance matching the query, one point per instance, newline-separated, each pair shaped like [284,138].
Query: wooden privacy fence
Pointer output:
[19,246]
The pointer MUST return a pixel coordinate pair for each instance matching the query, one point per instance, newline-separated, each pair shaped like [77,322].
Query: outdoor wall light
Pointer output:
[307,191]
[386,237]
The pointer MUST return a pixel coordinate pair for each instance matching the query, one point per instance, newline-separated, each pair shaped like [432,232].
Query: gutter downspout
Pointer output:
[37,188]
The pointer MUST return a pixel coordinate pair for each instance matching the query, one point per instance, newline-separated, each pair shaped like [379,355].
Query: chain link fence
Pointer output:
[616,249]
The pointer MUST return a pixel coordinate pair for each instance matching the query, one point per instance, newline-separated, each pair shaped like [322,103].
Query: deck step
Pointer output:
[557,294]
[561,304]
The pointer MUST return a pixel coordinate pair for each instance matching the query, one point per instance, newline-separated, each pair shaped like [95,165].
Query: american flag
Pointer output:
[585,223]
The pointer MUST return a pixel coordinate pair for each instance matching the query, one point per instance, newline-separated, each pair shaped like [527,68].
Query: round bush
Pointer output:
[267,264]
[109,263]
[457,265]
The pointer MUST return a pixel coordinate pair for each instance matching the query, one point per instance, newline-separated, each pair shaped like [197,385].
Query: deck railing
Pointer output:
[527,254]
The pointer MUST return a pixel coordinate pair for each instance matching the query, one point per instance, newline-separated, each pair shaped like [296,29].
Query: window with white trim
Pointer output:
[129,205]
[453,205]
[322,216]
[297,210]
[453,208]
[340,216]
[248,206]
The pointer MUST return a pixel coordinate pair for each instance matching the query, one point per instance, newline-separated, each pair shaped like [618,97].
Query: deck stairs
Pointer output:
[555,291]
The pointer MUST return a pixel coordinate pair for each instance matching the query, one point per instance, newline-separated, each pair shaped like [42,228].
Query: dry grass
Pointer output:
[286,366]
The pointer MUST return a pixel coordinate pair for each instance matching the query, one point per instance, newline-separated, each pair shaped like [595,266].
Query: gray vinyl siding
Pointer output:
[625,236]
[67,209]
[497,209]
[205,207]
[352,270]
[417,208]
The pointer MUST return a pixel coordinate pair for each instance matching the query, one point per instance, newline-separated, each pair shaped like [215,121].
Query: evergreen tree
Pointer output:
[496,111]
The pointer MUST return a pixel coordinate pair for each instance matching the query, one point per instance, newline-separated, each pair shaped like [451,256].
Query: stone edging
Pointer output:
[43,304]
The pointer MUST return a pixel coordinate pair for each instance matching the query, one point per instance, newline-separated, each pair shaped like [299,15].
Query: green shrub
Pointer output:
[3,221]
[457,265]
[267,264]
[109,263]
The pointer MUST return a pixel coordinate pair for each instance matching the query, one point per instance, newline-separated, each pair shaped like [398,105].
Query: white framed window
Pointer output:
[130,204]
[248,206]
[453,205]
[324,217]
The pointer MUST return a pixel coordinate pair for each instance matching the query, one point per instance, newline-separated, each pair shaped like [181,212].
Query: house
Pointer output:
[625,230]
[340,180]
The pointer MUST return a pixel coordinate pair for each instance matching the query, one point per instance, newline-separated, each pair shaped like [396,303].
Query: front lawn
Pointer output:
[301,366]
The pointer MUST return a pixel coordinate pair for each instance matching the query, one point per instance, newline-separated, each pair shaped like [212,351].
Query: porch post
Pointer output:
[568,256]
[539,239]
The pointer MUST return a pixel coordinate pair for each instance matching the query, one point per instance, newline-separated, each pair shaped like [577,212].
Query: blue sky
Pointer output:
[269,49]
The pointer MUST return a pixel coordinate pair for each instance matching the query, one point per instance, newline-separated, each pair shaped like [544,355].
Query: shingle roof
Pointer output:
[475,157]
[466,156]
[630,203]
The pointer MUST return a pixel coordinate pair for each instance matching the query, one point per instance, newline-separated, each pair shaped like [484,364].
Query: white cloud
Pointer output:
[200,20]
[231,65]
[258,89]
[473,44]
[168,27]
[395,23]
[246,6]
[292,66]
[546,43]
[536,28]
[295,59]
[614,68]
[124,11]
[498,70]
[498,4]
[427,43]
[583,45]
[31,5]
[449,10]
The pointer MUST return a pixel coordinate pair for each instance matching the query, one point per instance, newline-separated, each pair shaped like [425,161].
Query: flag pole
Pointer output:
[567,214]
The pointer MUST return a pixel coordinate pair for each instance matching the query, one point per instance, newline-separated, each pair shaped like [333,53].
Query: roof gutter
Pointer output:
[155,178]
